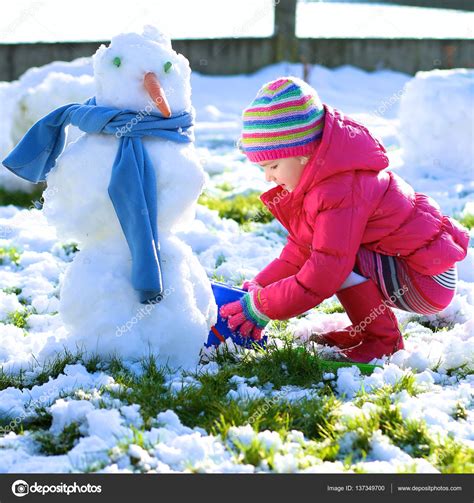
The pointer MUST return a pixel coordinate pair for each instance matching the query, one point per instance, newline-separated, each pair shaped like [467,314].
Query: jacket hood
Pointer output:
[345,145]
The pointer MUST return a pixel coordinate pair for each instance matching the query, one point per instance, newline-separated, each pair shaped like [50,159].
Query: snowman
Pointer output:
[99,305]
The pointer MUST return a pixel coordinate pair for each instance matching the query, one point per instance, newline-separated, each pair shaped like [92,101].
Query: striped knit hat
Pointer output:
[284,120]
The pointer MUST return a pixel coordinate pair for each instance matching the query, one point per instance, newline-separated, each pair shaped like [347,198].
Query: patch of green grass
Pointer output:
[406,383]
[41,420]
[255,453]
[49,369]
[196,406]
[278,326]
[381,396]
[93,466]
[55,445]
[11,380]
[466,220]
[450,456]
[279,366]
[70,248]
[148,390]
[225,186]
[462,371]
[202,406]
[116,367]
[326,450]
[333,308]
[138,438]
[361,429]
[236,280]
[278,329]
[54,367]
[315,418]
[93,363]
[20,198]
[285,365]
[459,412]
[410,435]
[220,260]
[218,277]
[12,290]
[413,436]
[435,327]
[18,318]
[207,406]
[241,208]
[261,413]
[9,255]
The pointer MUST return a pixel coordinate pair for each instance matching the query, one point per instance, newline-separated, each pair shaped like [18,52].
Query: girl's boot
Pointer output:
[374,331]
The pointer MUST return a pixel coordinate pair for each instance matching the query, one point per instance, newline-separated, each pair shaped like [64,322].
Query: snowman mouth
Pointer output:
[154,89]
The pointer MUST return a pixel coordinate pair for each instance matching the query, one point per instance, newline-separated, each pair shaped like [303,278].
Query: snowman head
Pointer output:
[142,72]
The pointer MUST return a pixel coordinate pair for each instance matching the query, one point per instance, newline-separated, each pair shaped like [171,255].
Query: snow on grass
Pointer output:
[240,410]
[136,419]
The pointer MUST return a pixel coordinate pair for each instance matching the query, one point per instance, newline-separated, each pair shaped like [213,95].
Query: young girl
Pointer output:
[354,229]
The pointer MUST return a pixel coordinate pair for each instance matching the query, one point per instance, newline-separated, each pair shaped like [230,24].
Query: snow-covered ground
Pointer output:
[439,350]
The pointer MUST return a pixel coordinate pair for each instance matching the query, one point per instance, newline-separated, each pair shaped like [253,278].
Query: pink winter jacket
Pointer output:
[346,199]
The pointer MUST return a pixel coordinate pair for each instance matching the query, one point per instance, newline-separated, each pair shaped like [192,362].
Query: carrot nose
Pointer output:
[154,89]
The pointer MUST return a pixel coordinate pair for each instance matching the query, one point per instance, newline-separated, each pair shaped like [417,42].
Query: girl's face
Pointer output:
[286,172]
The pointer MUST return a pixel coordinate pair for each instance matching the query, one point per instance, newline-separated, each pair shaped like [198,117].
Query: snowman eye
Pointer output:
[117,61]
[167,66]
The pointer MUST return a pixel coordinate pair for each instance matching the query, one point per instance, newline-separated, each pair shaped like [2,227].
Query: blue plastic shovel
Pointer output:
[220,331]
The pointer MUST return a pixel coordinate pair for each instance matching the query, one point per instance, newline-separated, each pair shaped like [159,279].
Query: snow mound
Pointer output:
[437,124]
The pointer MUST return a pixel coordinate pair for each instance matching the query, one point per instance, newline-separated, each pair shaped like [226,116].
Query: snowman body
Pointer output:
[98,303]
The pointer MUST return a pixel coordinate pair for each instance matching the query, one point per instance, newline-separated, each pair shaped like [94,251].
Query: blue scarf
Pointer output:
[132,186]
